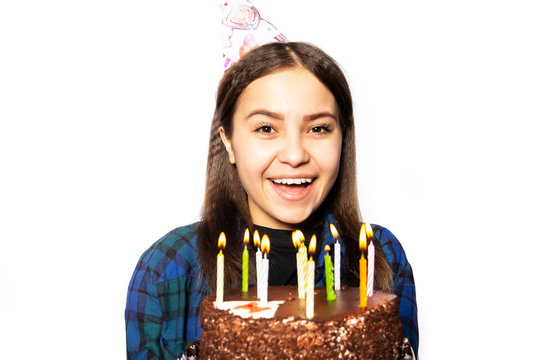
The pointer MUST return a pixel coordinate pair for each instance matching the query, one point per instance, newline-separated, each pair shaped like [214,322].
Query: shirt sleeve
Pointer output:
[403,284]
[163,300]
[143,316]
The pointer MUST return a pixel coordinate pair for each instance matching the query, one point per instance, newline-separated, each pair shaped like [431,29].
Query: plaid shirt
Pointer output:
[162,311]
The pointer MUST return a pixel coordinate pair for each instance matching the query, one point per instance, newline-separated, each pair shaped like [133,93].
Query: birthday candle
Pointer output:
[302,281]
[264,280]
[245,263]
[303,271]
[370,261]
[337,258]
[310,291]
[220,264]
[296,243]
[329,275]
[265,247]
[363,269]
[258,260]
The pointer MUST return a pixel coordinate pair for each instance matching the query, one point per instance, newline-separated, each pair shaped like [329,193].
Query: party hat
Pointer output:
[244,29]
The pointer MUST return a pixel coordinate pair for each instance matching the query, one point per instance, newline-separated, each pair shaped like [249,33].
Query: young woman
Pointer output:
[281,157]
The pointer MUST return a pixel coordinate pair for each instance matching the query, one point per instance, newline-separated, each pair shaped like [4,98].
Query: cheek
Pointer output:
[252,159]
[329,159]
[333,166]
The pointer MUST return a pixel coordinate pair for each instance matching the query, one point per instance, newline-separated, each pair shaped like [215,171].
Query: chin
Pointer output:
[293,218]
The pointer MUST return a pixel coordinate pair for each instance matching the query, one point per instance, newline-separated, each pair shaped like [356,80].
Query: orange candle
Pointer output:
[363,267]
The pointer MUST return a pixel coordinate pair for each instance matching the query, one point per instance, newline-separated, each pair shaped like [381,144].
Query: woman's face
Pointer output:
[286,144]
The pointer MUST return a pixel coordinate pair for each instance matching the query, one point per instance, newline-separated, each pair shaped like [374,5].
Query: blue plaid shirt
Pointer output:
[162,311]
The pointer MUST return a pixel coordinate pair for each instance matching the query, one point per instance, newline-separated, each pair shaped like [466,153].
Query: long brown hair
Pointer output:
[225,205]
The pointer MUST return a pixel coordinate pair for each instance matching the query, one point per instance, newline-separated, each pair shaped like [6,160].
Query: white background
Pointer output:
[105,109]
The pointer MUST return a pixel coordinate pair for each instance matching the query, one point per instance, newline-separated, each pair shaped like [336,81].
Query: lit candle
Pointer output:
[302,280]
[296,243]
[337,258]
[370,261]
[245,263]
[363,268]
[258,259]
[310,293]
[329,274]
[265,247]
[220,262]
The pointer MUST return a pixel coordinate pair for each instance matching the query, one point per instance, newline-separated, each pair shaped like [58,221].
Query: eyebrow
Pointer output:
[322,115]
[267,113]
[279,116]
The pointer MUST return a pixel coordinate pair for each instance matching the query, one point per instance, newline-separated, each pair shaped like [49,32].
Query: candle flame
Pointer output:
[334,232]
[312,245]
[222,241]
[363,240]
[369,231]
[265,244]
[301,237]
[296,239]
[327,248]
[256,239]
[246,236]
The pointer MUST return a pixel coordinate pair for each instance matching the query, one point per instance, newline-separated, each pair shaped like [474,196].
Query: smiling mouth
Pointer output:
[305,182]
[293,189]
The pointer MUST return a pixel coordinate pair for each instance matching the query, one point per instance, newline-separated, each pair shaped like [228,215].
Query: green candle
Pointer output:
[245,263]
[329,272]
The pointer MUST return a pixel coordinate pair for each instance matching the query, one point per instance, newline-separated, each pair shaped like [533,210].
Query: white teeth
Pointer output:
[297,181]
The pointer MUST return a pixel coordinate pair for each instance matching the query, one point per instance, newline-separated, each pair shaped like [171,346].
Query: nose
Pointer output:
[293,151]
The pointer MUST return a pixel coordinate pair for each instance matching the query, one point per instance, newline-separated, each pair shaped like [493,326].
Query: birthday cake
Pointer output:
[243,328]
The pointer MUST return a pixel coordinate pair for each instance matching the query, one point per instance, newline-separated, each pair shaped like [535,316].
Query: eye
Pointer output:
[265,129]
[320,129]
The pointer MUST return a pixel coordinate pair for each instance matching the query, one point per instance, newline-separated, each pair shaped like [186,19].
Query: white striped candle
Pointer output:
[220,269]
[302,281]
[310,289]
[370,261]
[370,268]
[337,258]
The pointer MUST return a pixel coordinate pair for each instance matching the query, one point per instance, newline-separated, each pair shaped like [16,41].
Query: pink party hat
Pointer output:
[244,29]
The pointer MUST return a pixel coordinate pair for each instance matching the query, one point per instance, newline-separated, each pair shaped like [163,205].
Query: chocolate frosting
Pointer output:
[339,329]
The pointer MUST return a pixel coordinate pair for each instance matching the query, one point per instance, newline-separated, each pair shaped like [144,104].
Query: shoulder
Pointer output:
[173,255]
[404,285]
[394,252]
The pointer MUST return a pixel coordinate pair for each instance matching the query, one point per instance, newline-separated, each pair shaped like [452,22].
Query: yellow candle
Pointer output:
[363,268]
[220,264]
[296,243]
[302,280]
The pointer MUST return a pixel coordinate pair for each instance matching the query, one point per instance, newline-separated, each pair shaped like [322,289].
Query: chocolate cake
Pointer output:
[338,330]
